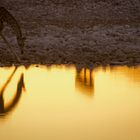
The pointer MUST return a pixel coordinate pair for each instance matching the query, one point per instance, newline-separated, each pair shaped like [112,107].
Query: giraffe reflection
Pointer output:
[84,80]
[5,109]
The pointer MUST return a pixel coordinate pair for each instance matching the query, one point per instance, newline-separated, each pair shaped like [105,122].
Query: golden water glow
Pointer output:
[85,81]
[69,103]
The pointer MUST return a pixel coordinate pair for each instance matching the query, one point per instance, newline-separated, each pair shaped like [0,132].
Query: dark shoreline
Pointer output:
[82,32]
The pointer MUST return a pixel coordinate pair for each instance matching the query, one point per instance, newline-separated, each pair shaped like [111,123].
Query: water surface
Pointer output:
[69,103]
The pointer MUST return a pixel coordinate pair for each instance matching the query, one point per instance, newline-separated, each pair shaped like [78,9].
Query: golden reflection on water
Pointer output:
[51,103]
[84,81]
[7,88]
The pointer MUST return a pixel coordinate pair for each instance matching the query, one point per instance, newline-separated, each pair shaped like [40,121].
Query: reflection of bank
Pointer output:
[6,108]
[84,80]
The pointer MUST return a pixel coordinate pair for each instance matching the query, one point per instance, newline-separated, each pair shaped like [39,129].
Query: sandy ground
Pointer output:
[87,32]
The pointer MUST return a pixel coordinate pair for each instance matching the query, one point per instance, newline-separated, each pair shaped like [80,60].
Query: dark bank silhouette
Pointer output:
[4,110]
[84,81]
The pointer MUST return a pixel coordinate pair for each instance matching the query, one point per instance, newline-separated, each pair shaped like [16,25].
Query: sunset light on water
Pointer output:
[69,102]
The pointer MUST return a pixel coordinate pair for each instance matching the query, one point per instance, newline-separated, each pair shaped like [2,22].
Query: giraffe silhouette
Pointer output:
[7,17]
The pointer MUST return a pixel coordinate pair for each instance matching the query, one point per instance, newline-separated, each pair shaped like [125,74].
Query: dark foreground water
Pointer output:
[69,103]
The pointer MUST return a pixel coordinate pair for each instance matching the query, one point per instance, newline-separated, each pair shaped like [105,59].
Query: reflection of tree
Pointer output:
[20,85]
[84,80]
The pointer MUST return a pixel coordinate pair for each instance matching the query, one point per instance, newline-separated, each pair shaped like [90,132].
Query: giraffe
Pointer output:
[7,17]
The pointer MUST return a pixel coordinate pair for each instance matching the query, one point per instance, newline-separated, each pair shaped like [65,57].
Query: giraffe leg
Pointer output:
[1,26]
[10,48]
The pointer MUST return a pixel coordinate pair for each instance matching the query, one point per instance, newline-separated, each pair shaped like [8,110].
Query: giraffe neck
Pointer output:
[5,16]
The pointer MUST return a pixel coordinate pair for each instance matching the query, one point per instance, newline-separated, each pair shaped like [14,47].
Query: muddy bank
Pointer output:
[93,36]
[97,45]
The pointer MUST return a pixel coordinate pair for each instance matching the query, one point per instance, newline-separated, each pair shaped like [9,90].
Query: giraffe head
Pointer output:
[21,43]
